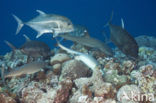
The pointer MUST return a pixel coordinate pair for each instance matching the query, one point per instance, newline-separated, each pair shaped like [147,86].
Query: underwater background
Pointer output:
[139,17]
[112,61]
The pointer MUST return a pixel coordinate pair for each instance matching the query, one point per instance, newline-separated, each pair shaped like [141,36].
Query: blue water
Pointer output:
[139,17]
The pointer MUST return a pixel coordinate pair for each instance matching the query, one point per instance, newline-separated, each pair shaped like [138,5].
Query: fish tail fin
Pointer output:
[110,20]
[20,23]
[106,38]
[12,47]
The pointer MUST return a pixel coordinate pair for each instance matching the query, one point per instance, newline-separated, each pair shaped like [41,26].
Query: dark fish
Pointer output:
[33,48]
[47,23]
[30,68]
[123,40]
[90,42]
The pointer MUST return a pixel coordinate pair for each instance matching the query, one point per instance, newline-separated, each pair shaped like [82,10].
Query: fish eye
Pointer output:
[85,31]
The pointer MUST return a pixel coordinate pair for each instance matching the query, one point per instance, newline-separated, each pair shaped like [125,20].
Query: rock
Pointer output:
[97,85]
[57,68]
[37,92]
[64,92]
[59,58]
[6,99]
[148,41]
[145,79]
[52,79]
[128,94]
[74,69]
[113,77]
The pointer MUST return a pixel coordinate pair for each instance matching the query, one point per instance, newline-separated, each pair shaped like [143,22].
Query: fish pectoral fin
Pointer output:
[122,23]
[39,34]
[41,12]
[55,35]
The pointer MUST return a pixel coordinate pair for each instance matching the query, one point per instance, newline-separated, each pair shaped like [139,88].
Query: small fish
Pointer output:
[90,42]
[85,58]
[47,23]
[122,39]
[33,48]
[30,68]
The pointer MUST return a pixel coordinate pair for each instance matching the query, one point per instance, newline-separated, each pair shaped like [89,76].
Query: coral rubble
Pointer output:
[115,79]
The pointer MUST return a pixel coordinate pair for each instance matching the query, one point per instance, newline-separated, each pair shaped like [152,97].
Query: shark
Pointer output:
[46,23]
[85,58]
[90,42]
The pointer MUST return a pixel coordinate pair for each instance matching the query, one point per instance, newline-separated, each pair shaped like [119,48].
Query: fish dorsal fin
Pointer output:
[10,45]
[110,20]
[122,23]
[41,12]
[27,38]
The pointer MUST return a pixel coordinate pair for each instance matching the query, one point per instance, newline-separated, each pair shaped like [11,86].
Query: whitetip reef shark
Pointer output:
[85,58]
[47,23]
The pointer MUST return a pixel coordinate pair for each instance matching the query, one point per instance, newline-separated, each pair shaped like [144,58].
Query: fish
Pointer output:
[85,58]
[33,48]
[79,30]
[90,42]
[29,68]
[46,23]
[123,39]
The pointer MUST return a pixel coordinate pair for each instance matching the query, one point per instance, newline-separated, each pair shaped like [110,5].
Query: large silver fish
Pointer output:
[47,23]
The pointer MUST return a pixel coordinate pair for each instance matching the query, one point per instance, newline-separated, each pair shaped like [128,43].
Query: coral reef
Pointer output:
[6,99]
[16,59]
[66,80]
[59,58]
[148,41]
[38,93]
[145,78]
[74,69]
[128,94]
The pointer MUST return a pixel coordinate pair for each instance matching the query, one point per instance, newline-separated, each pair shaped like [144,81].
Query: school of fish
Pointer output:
[61,26]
